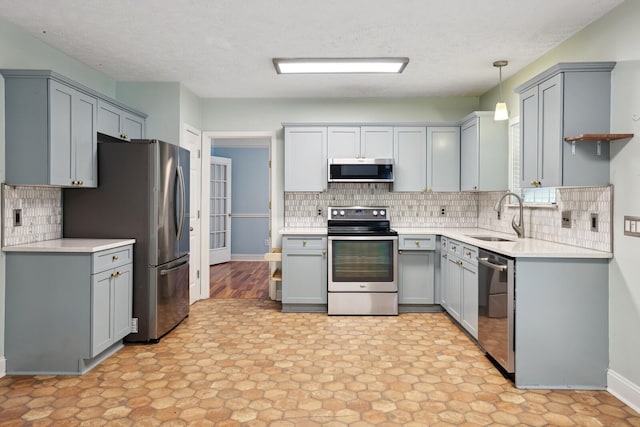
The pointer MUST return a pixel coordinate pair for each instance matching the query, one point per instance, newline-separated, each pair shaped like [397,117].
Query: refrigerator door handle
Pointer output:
[169,270]
[180,222]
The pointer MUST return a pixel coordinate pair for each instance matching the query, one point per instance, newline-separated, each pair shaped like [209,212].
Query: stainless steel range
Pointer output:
[363,275]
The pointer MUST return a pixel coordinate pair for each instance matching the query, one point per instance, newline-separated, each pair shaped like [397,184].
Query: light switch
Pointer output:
[632,226]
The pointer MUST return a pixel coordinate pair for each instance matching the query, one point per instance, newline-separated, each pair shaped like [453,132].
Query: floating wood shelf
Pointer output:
[598,137]
[277,275]
[274,255]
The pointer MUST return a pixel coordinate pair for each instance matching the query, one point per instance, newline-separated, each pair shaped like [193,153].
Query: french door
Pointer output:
[220,208]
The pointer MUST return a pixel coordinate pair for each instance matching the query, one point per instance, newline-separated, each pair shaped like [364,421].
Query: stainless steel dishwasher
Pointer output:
[496,309]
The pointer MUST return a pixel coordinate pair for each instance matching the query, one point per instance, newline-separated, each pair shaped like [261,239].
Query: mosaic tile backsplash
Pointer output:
[308,209]
[407,209]
[544,223]
[41,214]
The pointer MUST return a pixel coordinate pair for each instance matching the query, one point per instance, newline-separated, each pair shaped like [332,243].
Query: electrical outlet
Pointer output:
[17,217]
[319,211]
[594,222]
[566,219]
[443,210]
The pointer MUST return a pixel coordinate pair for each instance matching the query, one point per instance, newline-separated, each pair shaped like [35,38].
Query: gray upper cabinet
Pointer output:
[483,153]
[565,100]
[118,122]
[410,158]
[50,131]
[305,158]
[443,158]
[343,142]
[358,142]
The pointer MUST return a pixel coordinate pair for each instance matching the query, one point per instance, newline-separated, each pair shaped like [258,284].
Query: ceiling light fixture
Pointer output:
[339,65]
[501,106]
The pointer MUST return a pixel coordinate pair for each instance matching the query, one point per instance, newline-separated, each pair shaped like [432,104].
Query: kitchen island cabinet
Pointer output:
[304,273]
[69,304]
[416,273]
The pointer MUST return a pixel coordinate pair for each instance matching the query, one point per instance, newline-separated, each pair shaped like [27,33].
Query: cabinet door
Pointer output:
[469,142]
[101,312]
[444,277]
[550,113]
[343,142]
[61,153]
[122,302]
[416,277]
[454,287]
[469,307]
[529,137]
[85,155]
[132,126]
[410,159]
[304,277]
[376,142]
[109,119]
[443,158]
[305,159]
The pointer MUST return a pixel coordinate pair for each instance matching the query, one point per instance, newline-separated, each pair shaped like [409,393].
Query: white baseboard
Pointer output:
[623,389]
[247,257]
[3,367]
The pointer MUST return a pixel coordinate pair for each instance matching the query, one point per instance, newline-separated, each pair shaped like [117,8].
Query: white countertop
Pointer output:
[70,245]
[517,248]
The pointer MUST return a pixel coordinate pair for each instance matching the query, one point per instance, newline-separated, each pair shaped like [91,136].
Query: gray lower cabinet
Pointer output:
[461,284]
[118,122]
[565,100]
[304,273]
[66,312]
[50,131]
[416,273]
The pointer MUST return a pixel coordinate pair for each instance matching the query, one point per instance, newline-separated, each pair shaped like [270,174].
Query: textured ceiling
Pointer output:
[223,48]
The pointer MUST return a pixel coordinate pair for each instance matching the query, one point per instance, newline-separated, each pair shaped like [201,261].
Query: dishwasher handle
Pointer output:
[486,262]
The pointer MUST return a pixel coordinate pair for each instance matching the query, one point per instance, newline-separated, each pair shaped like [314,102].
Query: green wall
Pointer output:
[614,37]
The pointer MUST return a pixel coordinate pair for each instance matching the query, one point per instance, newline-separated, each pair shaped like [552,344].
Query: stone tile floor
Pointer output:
[244,363]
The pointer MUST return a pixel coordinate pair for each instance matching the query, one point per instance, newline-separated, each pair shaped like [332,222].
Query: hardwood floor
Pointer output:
[239,279]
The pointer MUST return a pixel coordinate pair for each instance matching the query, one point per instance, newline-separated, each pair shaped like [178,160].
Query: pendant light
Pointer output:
[501,106]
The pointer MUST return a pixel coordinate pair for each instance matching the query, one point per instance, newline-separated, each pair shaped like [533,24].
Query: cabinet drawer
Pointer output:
[304,242]
[422,242]
[455,248]
[444,244]
[112,258]
[469,254]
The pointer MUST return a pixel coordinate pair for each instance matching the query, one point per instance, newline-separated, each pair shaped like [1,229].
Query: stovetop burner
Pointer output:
[359,220]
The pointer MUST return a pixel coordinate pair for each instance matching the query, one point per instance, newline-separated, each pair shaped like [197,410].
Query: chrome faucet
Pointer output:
[519,227]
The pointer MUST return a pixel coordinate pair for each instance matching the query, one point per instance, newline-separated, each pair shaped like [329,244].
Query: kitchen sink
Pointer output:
[490,238]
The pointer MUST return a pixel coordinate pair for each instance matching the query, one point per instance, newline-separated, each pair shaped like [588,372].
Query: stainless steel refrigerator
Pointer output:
[143,193]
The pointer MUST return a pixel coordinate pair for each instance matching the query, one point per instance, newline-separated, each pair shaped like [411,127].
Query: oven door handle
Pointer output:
[497,267]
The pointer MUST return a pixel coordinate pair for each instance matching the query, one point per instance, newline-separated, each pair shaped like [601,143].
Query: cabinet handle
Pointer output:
[444,255]
[324,253]
[115,257]
[400,252]
[417,242]
[80,182]
[453,248]
[74,182]
[468,253]
[304,243]
[459,262]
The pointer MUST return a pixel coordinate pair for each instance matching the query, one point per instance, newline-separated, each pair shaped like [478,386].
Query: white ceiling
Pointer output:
[223,48]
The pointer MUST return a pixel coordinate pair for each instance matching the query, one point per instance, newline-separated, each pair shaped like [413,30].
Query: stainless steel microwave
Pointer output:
[360,170]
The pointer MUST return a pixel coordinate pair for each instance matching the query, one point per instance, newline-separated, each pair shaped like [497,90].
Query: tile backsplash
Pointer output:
[544,222]
[462,209]
[410,209]
[41,214]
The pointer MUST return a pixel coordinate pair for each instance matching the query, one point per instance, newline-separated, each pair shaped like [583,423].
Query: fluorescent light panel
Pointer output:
[339,65]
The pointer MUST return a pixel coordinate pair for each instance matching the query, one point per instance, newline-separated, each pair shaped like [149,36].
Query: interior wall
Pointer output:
[611,38]
[189,109]
[269,114]
[2,256]
[161,101]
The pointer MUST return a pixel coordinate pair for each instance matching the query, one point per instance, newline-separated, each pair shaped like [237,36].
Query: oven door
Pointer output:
[363,264]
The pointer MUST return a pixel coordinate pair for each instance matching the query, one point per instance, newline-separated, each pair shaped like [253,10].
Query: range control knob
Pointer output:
[375,213]
[382,213]
[334,213]
[341,213]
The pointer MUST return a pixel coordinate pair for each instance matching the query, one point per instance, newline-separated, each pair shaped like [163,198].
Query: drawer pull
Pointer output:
[116,274]
[304,243]
[417,242]
[444,255]
[115,257]
[468,253]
